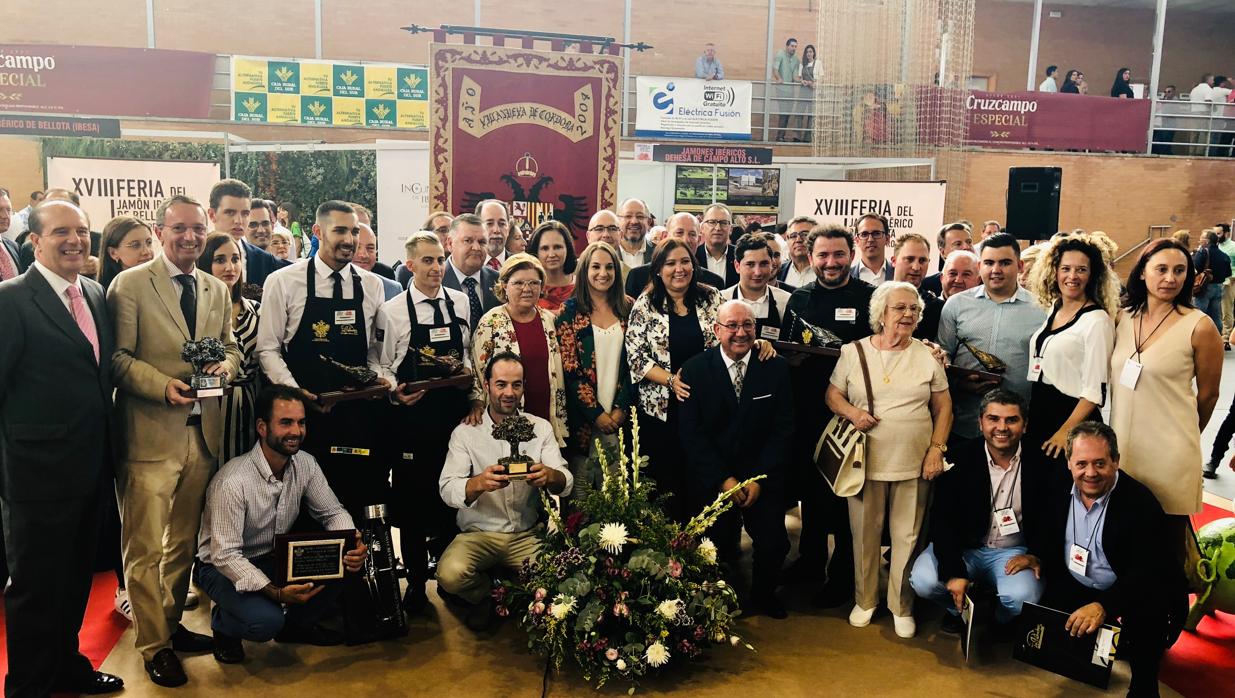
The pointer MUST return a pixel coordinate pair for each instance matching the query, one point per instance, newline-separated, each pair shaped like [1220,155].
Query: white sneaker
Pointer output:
[905,626]
[191,600]
[861,617]
[122,604]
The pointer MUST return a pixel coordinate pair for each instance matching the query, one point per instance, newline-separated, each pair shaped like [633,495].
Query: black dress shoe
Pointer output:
[97,683]
[770,606]
[185,640]
[165,670]
[1209,471]
[415,600]
[309,635]
[952,624]
[480,617]
[228,649]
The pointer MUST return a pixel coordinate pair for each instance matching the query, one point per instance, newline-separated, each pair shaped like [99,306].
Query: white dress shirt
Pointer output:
[1200,94]
[174,271]
[874,278]
[283,302]
[716,266]
[394,328]
[730,363]
[1076,359]
[459,276]
[1048,85]
[798,279]
[633,259]
[58,284]
[514,508]
[1005,492]
[760,306]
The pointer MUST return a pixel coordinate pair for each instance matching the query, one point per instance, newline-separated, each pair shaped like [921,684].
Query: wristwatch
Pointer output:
[672,379]
[943,448]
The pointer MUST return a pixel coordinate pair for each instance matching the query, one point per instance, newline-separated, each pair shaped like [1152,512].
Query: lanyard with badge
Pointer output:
[1132,367]
[1005,517]
[1078,556]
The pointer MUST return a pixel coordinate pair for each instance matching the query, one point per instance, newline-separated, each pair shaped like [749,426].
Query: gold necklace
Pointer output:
[887,375]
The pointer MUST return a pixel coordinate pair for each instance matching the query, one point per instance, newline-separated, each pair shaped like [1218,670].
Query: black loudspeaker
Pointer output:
[1033,202]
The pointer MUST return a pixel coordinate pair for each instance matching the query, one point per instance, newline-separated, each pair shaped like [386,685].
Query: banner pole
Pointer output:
[1033,47]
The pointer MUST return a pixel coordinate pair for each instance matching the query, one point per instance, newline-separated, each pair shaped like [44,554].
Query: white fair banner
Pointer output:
[110,188]
[402,194]
[910,207]
[692,108]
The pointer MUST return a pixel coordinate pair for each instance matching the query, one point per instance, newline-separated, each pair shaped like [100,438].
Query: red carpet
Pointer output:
[101,629]
[1202,664]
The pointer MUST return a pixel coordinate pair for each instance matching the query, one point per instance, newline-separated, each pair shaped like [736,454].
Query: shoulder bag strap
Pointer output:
[866,377]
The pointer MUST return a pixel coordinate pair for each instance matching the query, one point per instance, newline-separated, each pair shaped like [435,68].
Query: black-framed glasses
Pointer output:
[871,235]
[719,223]
[735,326]
[612,229]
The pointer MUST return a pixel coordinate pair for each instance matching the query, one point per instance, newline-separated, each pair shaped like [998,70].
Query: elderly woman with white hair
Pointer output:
[906,437]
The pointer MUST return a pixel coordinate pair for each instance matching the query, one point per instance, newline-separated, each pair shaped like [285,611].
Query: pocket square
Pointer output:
[762,397]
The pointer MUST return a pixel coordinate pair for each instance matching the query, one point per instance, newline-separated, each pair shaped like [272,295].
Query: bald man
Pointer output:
[685,227]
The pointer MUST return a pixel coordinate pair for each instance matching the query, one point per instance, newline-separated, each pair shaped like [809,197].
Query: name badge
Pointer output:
[846,314]
[1006,520]
[348,451]
[439,334]
[345,317]
[1035,368]
[1131,373]
[770,333]
[1078,559]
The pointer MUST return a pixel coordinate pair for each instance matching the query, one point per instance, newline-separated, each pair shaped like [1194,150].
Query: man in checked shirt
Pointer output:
[253,498]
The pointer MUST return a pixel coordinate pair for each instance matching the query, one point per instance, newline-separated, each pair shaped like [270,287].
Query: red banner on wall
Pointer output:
[105,81]
[1056,121]
[536,129]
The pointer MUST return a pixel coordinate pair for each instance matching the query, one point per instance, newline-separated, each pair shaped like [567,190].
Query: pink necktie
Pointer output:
[495,264]
[7,270]
[85,321]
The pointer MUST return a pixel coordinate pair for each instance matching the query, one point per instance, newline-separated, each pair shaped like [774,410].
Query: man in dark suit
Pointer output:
[466,270]
[736,425]
[682,226]
[987,518]
[27,247]
[229,212]
[1110,557]
[716,254]
[55,399]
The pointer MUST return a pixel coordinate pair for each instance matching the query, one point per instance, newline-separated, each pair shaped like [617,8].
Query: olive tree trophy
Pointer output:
[513,430]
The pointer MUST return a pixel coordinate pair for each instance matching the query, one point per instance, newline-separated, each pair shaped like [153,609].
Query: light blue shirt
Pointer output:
[1002,329]
[705,68]
[1085,528]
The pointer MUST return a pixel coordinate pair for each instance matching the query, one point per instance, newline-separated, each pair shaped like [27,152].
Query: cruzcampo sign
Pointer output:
[325,93]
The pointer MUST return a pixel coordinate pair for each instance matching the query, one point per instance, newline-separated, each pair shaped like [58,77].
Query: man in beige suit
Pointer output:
[170,441]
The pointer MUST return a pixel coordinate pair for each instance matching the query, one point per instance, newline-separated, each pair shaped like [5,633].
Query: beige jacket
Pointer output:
[150,332]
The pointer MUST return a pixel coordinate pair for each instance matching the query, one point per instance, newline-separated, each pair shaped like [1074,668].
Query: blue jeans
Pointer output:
[253,615]
[984,565]
[1209,301]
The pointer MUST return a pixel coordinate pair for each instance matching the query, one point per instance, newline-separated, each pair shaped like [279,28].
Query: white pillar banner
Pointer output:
[110,188]
[910,207]
[402,195]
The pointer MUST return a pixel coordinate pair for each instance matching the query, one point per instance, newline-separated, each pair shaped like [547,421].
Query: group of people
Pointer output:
[1074,83]
[685,334]
[792,89]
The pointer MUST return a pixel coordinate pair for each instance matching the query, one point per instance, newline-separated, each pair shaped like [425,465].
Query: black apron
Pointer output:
[341,440]
[772,321]
[416,441]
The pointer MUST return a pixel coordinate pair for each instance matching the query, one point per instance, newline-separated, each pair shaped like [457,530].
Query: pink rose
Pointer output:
[540,593]
[538,608]
[675,568]
[611,654]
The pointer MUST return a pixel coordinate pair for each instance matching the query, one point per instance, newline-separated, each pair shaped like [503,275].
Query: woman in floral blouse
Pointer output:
[522,327]
[591,330]
[553,245]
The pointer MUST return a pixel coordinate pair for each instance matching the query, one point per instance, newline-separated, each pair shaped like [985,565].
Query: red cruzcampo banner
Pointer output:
[105,81]
[536,129]
[1056,121]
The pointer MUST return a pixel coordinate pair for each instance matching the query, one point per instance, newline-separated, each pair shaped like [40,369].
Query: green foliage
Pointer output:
[305,179]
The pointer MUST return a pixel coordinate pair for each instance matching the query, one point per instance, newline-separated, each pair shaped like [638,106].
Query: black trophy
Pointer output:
[514,430]
[199,354]
[354,383]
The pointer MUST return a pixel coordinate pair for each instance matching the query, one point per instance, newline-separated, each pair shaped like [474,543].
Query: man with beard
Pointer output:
[953,237]
[635,248]
[910,259]
[872,266]
[496,221]
[837,302]
[797,270]
[498,513]
[170,438]
[426,319]
[252,499]
[684,227]
[326,306]
[230,210]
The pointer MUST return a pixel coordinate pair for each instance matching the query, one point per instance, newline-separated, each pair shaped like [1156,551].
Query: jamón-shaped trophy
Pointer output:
[812,335]
[514,430]
[200,353]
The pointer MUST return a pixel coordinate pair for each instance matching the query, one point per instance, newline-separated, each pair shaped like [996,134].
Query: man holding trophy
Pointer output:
[492,473]
[171,436]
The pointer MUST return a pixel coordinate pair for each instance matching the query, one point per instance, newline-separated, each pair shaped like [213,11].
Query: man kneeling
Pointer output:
[252,499]
[987,518]
[498,513]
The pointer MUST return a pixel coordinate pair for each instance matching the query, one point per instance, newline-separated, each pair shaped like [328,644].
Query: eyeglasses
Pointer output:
[870,235]
[735,326]
[719,223]
[794,236]
[902,309]
[520,285]
[611,229]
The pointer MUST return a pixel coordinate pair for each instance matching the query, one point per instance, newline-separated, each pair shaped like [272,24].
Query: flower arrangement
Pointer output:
[618,588]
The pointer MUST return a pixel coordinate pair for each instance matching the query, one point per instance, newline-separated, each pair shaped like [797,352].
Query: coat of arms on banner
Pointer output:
[527,210]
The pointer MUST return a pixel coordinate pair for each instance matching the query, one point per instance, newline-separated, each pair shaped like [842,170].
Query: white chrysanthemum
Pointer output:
[613,537]
[621,665]
[707,550]
[657,654]
[562,606]
[669,609]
